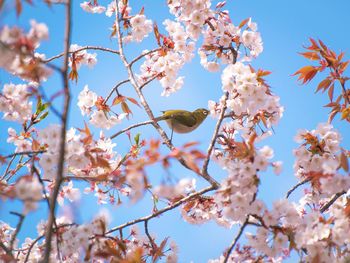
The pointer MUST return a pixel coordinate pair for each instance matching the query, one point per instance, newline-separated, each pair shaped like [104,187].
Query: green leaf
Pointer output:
[137,139]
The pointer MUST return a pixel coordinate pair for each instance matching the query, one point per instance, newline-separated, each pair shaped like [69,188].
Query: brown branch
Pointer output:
[6,249]
[8,167]
[23,153]
[290,191]
[81,49]
[149,80]
[234,242]
[60,168]
[115,89]
[40,237]
[131,127]
[143,55]
[213,139]
[18,228]
[331,201]
[161,211]
[154,246]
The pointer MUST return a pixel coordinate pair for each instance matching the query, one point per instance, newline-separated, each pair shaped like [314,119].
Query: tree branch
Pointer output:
[18,228]
[81,49]
[131,127]
[290,191]
[143,55]
[115,89]
[60,168]
[331,201]
[234,242]
[154,246]
[213,140]
[161,211]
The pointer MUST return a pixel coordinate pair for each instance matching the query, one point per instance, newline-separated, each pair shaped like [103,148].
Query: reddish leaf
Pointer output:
[118,100]
[324,84]
[345,114]
[323,45]
[18,7]
[310,55]
[133,101]
[125,108]
[330,92]
[314,45]
[263,73]
[244,22]
[73,75]
[156,33]
[190,144]
[332,115]
[343,66]
[306,73]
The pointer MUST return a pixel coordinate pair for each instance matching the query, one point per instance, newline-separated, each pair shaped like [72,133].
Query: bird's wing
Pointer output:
[185,118]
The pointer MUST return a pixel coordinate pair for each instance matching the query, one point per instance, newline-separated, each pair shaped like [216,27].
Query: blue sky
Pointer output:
[285,27]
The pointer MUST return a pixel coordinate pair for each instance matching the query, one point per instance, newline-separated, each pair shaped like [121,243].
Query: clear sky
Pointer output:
[285,27]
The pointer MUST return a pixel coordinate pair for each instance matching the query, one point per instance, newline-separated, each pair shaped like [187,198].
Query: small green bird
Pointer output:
[182,121]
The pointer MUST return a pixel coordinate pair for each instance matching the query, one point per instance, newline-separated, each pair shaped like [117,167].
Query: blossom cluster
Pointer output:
[249,99]
[14,102]
[89,239]
[17,51]
[166,63]
[318,159]
[81,57]
[99,117]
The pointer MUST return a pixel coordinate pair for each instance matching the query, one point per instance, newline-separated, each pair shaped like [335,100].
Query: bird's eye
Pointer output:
[205,112]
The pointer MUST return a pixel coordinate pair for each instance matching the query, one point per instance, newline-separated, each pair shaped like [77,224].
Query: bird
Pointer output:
[183,121]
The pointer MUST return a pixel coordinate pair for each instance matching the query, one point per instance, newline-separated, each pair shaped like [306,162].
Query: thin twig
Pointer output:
[81,49]
[149,80]
[8,167]
[154,246]
[6,249]
[213,139]
[143,55]
[60,169]
[40,237]
[331,201]
[18,228]
[115,89]
[234,242]
[290,191]
[23,153]
[161,211]
[131,127]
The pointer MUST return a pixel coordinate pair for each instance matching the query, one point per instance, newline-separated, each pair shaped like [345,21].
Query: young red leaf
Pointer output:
[132,100]
[244,22]
[324,84]
[125,108]
[330,92]
[18,7]
[118,100]
[156,33]
[310,55]
[73,75]
[306,73]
